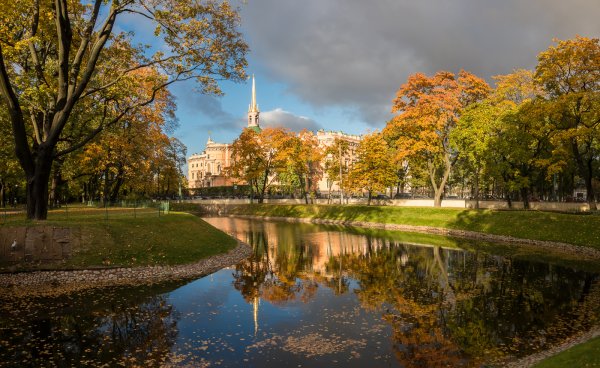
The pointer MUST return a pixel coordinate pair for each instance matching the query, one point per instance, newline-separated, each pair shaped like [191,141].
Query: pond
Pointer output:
[317,296]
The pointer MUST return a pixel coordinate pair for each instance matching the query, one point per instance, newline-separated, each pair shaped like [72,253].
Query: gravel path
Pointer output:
[53,283]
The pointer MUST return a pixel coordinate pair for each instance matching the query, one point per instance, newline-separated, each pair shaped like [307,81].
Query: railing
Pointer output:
[92,211]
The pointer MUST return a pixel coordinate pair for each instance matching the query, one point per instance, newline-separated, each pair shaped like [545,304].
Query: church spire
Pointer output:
[253,111]
[253,106]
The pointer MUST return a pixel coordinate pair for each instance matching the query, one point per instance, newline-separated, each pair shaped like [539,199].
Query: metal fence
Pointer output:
[102,211]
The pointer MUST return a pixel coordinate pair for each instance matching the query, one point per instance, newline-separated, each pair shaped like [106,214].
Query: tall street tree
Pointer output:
[428,109]
[56,56]
[504,136]
[569,73]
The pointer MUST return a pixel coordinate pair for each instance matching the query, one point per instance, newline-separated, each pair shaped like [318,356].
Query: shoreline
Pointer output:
[54,283]
[571,249]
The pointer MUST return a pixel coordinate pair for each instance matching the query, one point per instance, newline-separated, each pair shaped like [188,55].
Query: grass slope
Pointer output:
[176,238]
[579,229]
[583,355]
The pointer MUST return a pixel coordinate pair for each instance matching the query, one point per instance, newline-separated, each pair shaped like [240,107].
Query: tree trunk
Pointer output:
[2,194]
[437,199]
[585,170]
[370,196]
[303,191]
[591,196]
[477,188]
[439,190]
[525,197]
[37,185]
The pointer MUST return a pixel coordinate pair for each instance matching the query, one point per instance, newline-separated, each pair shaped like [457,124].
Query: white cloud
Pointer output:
[286,119]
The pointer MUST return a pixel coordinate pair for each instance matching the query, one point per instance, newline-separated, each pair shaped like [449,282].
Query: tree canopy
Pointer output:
[64,67]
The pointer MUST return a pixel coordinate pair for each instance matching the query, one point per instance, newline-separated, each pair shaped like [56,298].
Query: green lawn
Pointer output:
[583,355]
[176,238]
[579,229]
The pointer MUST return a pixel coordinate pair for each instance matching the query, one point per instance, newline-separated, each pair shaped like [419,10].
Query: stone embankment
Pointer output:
[52,283]
[556,247]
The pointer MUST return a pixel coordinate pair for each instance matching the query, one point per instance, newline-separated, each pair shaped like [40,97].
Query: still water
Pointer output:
[316,296]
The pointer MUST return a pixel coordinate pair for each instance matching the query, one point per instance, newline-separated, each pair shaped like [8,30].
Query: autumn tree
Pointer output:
[334,166]
[428,109]
[55,56]
[258,158]
[374,169]
[569,73]
[303,166]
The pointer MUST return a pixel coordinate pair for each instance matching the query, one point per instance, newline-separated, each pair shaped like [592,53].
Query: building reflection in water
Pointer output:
[446,306]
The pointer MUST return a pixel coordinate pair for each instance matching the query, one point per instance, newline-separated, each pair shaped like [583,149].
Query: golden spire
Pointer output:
[253,105]
[255,305]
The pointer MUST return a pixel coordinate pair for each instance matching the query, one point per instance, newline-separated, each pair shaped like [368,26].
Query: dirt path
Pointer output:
[53,283]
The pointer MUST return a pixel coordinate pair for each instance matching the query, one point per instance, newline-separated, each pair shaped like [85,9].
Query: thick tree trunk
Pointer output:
[370,196]
[439,190]
[37,185]
[437,200]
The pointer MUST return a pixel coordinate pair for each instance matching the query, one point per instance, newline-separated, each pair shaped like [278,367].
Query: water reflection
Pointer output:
[445,306]
[314,296]
[117,327]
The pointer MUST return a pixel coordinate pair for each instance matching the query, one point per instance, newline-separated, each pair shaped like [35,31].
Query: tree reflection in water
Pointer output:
[446,307]
[127,327]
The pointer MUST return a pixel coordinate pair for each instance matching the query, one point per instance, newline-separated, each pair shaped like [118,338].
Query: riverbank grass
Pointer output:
[583,355]
[577,229]
[172,239]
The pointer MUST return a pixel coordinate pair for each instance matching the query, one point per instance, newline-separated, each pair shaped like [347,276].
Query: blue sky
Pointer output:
[336,64]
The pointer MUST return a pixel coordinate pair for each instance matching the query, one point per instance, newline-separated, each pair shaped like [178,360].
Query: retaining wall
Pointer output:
[447,203]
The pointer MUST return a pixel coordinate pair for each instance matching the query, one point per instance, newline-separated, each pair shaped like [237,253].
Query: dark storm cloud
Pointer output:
[282,118]
[355,54]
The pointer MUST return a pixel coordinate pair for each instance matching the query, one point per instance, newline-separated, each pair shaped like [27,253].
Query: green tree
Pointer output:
[569,73]
[56,55]
[505,136]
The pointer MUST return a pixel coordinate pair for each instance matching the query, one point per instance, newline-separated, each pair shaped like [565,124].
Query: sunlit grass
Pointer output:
[583,355]
[122,240]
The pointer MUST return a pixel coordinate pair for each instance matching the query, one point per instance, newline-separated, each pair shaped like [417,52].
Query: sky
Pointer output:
[336,64]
